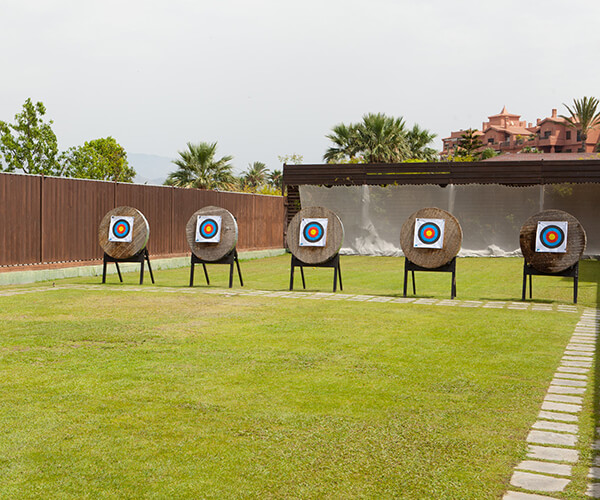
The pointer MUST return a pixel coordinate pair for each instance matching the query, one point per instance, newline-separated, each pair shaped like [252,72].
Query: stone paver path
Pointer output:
[490,304]
[553,438]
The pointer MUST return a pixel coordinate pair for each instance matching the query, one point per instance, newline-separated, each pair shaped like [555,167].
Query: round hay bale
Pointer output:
[333,238]
[139,237]
[431,258]
[212,252]
[550,262]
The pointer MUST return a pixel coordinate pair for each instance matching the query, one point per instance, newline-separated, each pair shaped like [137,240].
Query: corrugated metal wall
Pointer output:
[49,219]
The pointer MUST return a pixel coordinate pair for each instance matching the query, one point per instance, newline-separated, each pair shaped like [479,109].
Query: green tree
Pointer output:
[30,144]
[276,179]
[198,168]
[102,159]
[418,140]
[585,116]
[487,153]
[377,139]
[469,143]
[345,144]
[256,175]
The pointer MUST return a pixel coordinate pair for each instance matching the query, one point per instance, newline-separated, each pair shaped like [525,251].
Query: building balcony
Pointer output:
[551,140]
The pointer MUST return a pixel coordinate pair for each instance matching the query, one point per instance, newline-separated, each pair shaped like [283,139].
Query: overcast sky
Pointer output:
[271,77]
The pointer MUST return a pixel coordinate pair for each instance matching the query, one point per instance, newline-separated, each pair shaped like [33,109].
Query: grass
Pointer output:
[108,394]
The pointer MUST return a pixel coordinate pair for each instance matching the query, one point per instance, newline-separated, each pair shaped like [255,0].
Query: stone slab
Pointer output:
[538,482]
[593,490]
[552,438]
[581,357]
[567,382]
[571,369]
[561,389]
[577,364]
[578,354]
[555,426]
[556,398]
[551,453]
[545,467]
[584,340]
[564,407]
[594,473]
[581,347]
[556,415]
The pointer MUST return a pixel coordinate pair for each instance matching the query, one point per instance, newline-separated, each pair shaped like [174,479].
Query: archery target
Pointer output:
[551,236]
[313,232]
[208,229]
[120,229]
[429,233]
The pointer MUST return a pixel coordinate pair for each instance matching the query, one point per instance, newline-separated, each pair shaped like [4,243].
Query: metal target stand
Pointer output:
[231,258]
[571,272]
[140,257]
[447,268]
[334,262]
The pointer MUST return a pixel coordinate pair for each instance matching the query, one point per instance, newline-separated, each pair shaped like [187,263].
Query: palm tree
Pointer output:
[256,175]
[276,179]
[584,116]
[418,140]
[345,143]
[377,139]
[198,168]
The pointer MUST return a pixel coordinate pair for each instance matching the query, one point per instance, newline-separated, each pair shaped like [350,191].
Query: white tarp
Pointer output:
[491,216]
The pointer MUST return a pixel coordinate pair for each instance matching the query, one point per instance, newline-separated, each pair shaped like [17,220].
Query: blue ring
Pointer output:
[308,227]
[206,234]
[434,238]
[544,237]
[118,223]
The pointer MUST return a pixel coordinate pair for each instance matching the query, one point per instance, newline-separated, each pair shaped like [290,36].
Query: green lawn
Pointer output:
[109,393]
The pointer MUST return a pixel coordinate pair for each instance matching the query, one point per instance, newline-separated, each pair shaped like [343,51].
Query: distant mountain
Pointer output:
[150,169]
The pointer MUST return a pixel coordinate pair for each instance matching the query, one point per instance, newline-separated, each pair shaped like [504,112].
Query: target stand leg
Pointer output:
[447,268]
[141,257]
[147,255]
[334,262]
[453,292]
[231,258]
[104,269]
[119,272]
[529,271]
[192,271]
[237,263]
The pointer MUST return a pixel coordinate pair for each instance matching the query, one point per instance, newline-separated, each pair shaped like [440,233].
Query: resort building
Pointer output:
[507,133]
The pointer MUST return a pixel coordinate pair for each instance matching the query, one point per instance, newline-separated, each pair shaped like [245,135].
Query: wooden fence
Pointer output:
[53,220]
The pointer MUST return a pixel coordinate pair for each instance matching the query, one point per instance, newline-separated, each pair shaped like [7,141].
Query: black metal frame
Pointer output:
[140,257]
[571,272]
[230,258]
[447,268]
[333,262]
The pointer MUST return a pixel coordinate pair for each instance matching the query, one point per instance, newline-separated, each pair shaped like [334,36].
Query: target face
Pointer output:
[120,229]
[208,229]
[313,232]
[551,236]
[429,233]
